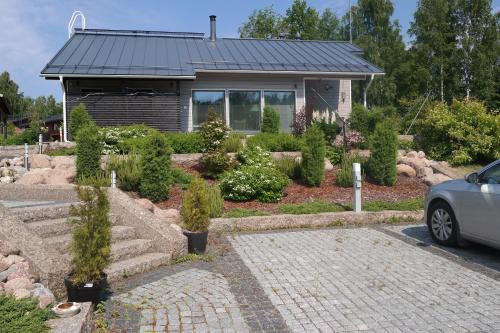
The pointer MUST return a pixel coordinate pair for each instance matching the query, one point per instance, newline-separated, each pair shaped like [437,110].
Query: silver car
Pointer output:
[468,209]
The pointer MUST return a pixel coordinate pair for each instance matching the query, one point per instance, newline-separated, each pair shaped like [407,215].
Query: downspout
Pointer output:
[65,127]
[366,90]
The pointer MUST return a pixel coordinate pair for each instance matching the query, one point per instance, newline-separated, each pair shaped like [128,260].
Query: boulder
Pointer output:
[44,295]
[17,161]
[35,176]
[328,165]
[16,259]
[5,172]
[412,154]
[18,170]
[406,170]
[5,274]
[170,215]
[145,203]
[436,179]
[4,264]
[62,162]
[7,180]
[19,283]
[39,161]
[425,172]
[7,248]
[176,228]
[21,293]
[421,154]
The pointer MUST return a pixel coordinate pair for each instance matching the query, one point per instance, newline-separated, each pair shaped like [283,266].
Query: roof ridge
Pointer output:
[292,40]
[139,32]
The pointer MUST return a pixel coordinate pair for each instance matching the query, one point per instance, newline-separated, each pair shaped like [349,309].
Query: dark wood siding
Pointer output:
[161,111]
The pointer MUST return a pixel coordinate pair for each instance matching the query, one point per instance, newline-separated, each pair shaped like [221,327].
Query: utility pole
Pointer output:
[350,22]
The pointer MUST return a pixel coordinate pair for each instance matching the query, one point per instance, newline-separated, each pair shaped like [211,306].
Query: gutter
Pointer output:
[65,126]
[366,89]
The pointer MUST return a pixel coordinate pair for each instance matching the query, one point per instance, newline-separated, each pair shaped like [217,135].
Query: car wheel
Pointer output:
[442,224]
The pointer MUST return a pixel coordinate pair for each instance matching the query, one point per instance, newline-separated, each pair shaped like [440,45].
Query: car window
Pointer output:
[491,176]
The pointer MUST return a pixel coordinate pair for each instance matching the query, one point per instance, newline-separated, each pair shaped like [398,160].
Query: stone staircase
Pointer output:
[129,254]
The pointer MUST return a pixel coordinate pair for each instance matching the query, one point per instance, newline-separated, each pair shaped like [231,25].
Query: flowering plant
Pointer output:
[213,132]
[353,140]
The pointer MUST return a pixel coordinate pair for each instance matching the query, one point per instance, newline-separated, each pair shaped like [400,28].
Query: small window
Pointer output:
[284,103]
[205,101]
[244,110]
[90,90]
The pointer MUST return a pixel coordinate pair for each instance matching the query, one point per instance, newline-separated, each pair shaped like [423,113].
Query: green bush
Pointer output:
[313,207]
[233,142]
[215,201]
[384,148]
[215,162]
[128,170]
[329,130]
[270,120]
[406,145]
[255,156]
[275,142]
[91,239]
[181,178]
[195,209]
[155,169]
[125,139]
[289,166]
[101,179]
[185,143]
[334,154]
[365,121]
[213,132]
[461,133]
[313,156]
[88,152]
[78,119]
[23,315]
[343,177]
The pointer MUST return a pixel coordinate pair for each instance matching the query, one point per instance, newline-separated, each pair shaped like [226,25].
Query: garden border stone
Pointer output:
[285,221]
[80,323]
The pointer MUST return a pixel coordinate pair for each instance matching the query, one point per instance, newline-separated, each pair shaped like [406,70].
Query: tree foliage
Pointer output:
[270,120]
[195,209]
[88,152]
[79,119]
[382,162]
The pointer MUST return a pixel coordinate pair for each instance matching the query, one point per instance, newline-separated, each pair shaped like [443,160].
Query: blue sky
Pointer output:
[32,31]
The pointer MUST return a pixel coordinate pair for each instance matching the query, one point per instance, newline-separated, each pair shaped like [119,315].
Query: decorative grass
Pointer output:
[379,205]
[243,212]
[313,207]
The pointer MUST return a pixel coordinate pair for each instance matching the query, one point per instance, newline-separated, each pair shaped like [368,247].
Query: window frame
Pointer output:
[261,105]
[281,90]
[192,126]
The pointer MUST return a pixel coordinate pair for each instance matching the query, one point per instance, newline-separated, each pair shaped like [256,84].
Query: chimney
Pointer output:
[213,35]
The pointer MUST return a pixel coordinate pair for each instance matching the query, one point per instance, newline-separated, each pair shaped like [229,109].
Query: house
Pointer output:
[169,80]
[51,123]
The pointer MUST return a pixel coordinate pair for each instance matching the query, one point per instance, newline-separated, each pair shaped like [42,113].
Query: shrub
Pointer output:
[334,154]
[155,169]
[101,179]
[185,143]
[195,210]
[79,118]
[88,152]
[461,133]
[125,139]
[91,239]
[270,120]
[23,315]
[128,170]
[365,121]
[299,122]
[215,162]
[275,142]
[343,177]
[289,166]
[313,156]
[215,201]
[382,162]
[329,130]
[180,177]
[213,132]
[233,142]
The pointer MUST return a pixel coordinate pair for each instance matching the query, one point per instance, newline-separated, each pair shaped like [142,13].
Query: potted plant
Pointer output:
[90,246]
[195,212]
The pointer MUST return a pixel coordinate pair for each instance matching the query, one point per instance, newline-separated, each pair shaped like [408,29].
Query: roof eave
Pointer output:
[118,76]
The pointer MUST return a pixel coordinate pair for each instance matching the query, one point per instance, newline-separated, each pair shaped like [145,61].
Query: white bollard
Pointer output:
[113,179]
[26,162]
[60,134]
[356,179]
[40,143]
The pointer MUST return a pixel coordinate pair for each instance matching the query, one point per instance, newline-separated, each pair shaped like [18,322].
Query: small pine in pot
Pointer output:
[195,212]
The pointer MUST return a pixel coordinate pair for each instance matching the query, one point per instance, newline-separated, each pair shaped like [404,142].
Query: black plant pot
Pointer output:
[197,241]
[87,292]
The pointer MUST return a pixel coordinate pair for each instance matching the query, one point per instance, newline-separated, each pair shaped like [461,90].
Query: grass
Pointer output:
[378,205]
[62,152]
[243,212]
[23,316]
[193,257]
[313,207]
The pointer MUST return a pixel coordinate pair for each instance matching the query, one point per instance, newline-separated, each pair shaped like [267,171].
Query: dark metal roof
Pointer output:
[166,54]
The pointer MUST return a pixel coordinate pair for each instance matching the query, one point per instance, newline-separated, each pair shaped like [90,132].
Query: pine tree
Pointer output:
[270,120]
[382,162]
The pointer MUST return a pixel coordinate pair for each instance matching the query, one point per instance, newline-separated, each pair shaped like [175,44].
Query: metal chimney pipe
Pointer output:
[213,35]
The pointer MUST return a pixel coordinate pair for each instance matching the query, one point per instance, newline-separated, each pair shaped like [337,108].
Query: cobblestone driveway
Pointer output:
[337,280]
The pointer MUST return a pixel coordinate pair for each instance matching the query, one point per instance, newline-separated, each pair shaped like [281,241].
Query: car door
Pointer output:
[480,206]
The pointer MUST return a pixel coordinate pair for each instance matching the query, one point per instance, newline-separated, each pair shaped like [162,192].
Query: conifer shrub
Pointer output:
[382,162]
[128,170]
[270,120]
[88,152]
[91,240]
[215,201]
[313,156]
[155,169]
[23,315]
[195,209]
[79,118]
[215,162]
[343,177]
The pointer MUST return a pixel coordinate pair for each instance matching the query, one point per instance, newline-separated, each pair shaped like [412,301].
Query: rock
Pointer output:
[328,165]
[436,179]
[62,162]
[7,248]
[145,203]
[17,161]
[6,180]
[39,161]
[177,228]
[406,170]
[35,278]
[19,283]
[21,293]
[5,172]
[16,259]
[22,271]
[421,154]
[425,172]
[412,154]
[171,215]
[5,274]
[31,179]
[44,295]
[56,179]
[19,170]
[415,163]
[4,264]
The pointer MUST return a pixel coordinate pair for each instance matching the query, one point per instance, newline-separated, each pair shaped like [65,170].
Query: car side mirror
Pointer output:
[471,178]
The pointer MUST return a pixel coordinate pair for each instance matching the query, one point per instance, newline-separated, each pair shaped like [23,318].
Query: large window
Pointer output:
[244,110]
[284,103]
[204,101]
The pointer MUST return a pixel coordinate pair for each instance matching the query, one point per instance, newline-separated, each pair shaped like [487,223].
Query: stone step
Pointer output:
[130,248]
[140,264]
[118,233]
[32,214]
[48,228]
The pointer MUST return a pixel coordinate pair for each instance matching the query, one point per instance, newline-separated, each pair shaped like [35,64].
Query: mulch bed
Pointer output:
[296,192]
